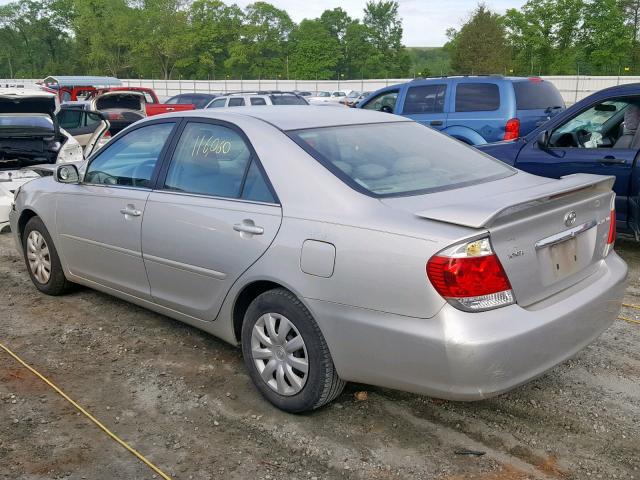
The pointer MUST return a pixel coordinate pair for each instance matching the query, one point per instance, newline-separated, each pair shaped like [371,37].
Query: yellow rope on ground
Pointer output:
[631,305]
[630,320]
[87,414]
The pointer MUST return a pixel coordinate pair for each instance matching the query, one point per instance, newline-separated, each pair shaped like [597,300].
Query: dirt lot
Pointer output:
[182,398]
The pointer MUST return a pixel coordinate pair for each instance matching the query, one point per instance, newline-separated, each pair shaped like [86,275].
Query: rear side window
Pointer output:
[236,102]
[258,101]
[425,99]
[398,158]
[215,160]
[477,97]
[288,100]
[536,94]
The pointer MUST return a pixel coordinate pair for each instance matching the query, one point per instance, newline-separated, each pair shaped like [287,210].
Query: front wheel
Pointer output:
[286,354]
[42,259]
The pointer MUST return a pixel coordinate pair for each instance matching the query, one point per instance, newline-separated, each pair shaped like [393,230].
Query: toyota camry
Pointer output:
[334,245]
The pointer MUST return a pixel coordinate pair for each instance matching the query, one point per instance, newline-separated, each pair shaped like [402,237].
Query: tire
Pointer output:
[35,239]
[284,385]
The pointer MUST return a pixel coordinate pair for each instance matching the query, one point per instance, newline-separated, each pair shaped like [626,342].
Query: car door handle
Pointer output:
[612,161]
[247,226]
[131,211]
[436,123]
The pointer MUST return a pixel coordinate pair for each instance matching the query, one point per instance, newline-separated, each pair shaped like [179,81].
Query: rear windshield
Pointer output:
[31,123]
[398,158]
[288,100]
[129,102]
[537,95]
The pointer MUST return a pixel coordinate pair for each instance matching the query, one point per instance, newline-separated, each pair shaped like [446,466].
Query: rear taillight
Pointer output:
[106,134]
[512,129]
[470,277]
[612,228]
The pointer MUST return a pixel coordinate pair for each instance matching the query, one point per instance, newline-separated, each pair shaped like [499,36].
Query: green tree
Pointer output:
[606,38]
[315,52]
[390,58]
[261,50]
[480,46]
[214,26]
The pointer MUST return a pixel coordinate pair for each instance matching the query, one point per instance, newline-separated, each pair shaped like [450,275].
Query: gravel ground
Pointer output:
[183,399]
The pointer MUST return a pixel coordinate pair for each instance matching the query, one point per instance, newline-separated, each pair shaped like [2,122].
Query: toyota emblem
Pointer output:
[570,218]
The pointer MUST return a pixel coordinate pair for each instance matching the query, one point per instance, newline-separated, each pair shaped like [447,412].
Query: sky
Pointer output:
[425,21]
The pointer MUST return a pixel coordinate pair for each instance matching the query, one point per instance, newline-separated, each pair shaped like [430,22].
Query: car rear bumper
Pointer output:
[470,356]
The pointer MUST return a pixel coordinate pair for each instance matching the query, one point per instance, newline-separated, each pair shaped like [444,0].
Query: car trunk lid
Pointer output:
[548,234]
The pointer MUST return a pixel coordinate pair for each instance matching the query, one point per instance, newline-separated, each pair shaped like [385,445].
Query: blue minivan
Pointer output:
[474,109]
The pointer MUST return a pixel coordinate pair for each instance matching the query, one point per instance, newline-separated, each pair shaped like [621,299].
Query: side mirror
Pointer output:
[67,173]
[543,139]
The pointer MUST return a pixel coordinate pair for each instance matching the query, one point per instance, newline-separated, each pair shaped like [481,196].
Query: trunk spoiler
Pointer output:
[487,211]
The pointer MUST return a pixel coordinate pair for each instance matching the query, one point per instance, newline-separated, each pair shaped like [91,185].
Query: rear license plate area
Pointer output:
[565,258]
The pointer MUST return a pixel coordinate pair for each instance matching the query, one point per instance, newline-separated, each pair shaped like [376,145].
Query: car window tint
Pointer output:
[131,159]
[398,158]
[288,100]
[236,102]
[425,99]
[477,97]
[536,94]
[200,101]
[173,100]
[69,118]
[218,103]
[384,102]
[258,101]
[208,160]
[255,186]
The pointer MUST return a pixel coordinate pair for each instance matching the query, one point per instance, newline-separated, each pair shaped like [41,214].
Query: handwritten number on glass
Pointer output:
[205,145]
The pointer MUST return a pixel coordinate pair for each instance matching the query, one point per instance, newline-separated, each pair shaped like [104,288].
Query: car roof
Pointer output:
[294,117]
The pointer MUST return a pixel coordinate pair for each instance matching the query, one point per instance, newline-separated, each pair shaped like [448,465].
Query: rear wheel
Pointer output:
[286,353]
[42,259]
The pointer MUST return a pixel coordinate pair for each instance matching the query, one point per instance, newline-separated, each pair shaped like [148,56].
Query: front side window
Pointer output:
[606,124]
[236,102]
[398,158]
[384,102]
[218,103]
[215,160]
[425,99]
[477,97]
[130,160]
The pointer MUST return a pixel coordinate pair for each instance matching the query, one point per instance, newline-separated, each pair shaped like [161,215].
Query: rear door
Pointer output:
[213,214]
[99,220]
[586,143]
[480,106]
[537,101]
[425,104]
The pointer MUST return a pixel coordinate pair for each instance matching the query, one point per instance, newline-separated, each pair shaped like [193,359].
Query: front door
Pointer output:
[99,220]
[425,104]
[598,140]
[211,217]
[86,126]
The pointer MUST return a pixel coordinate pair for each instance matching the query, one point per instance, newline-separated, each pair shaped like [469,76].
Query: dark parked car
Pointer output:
[476,110]
[200,100]
[596,135]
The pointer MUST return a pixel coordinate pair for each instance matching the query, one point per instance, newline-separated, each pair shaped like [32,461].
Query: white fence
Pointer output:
[572,88]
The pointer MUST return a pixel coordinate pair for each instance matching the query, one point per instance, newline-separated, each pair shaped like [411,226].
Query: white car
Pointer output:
[260,98]
[30,134]
[323,98]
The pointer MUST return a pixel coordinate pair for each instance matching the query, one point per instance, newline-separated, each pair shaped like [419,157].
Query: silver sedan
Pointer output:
[334,245]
